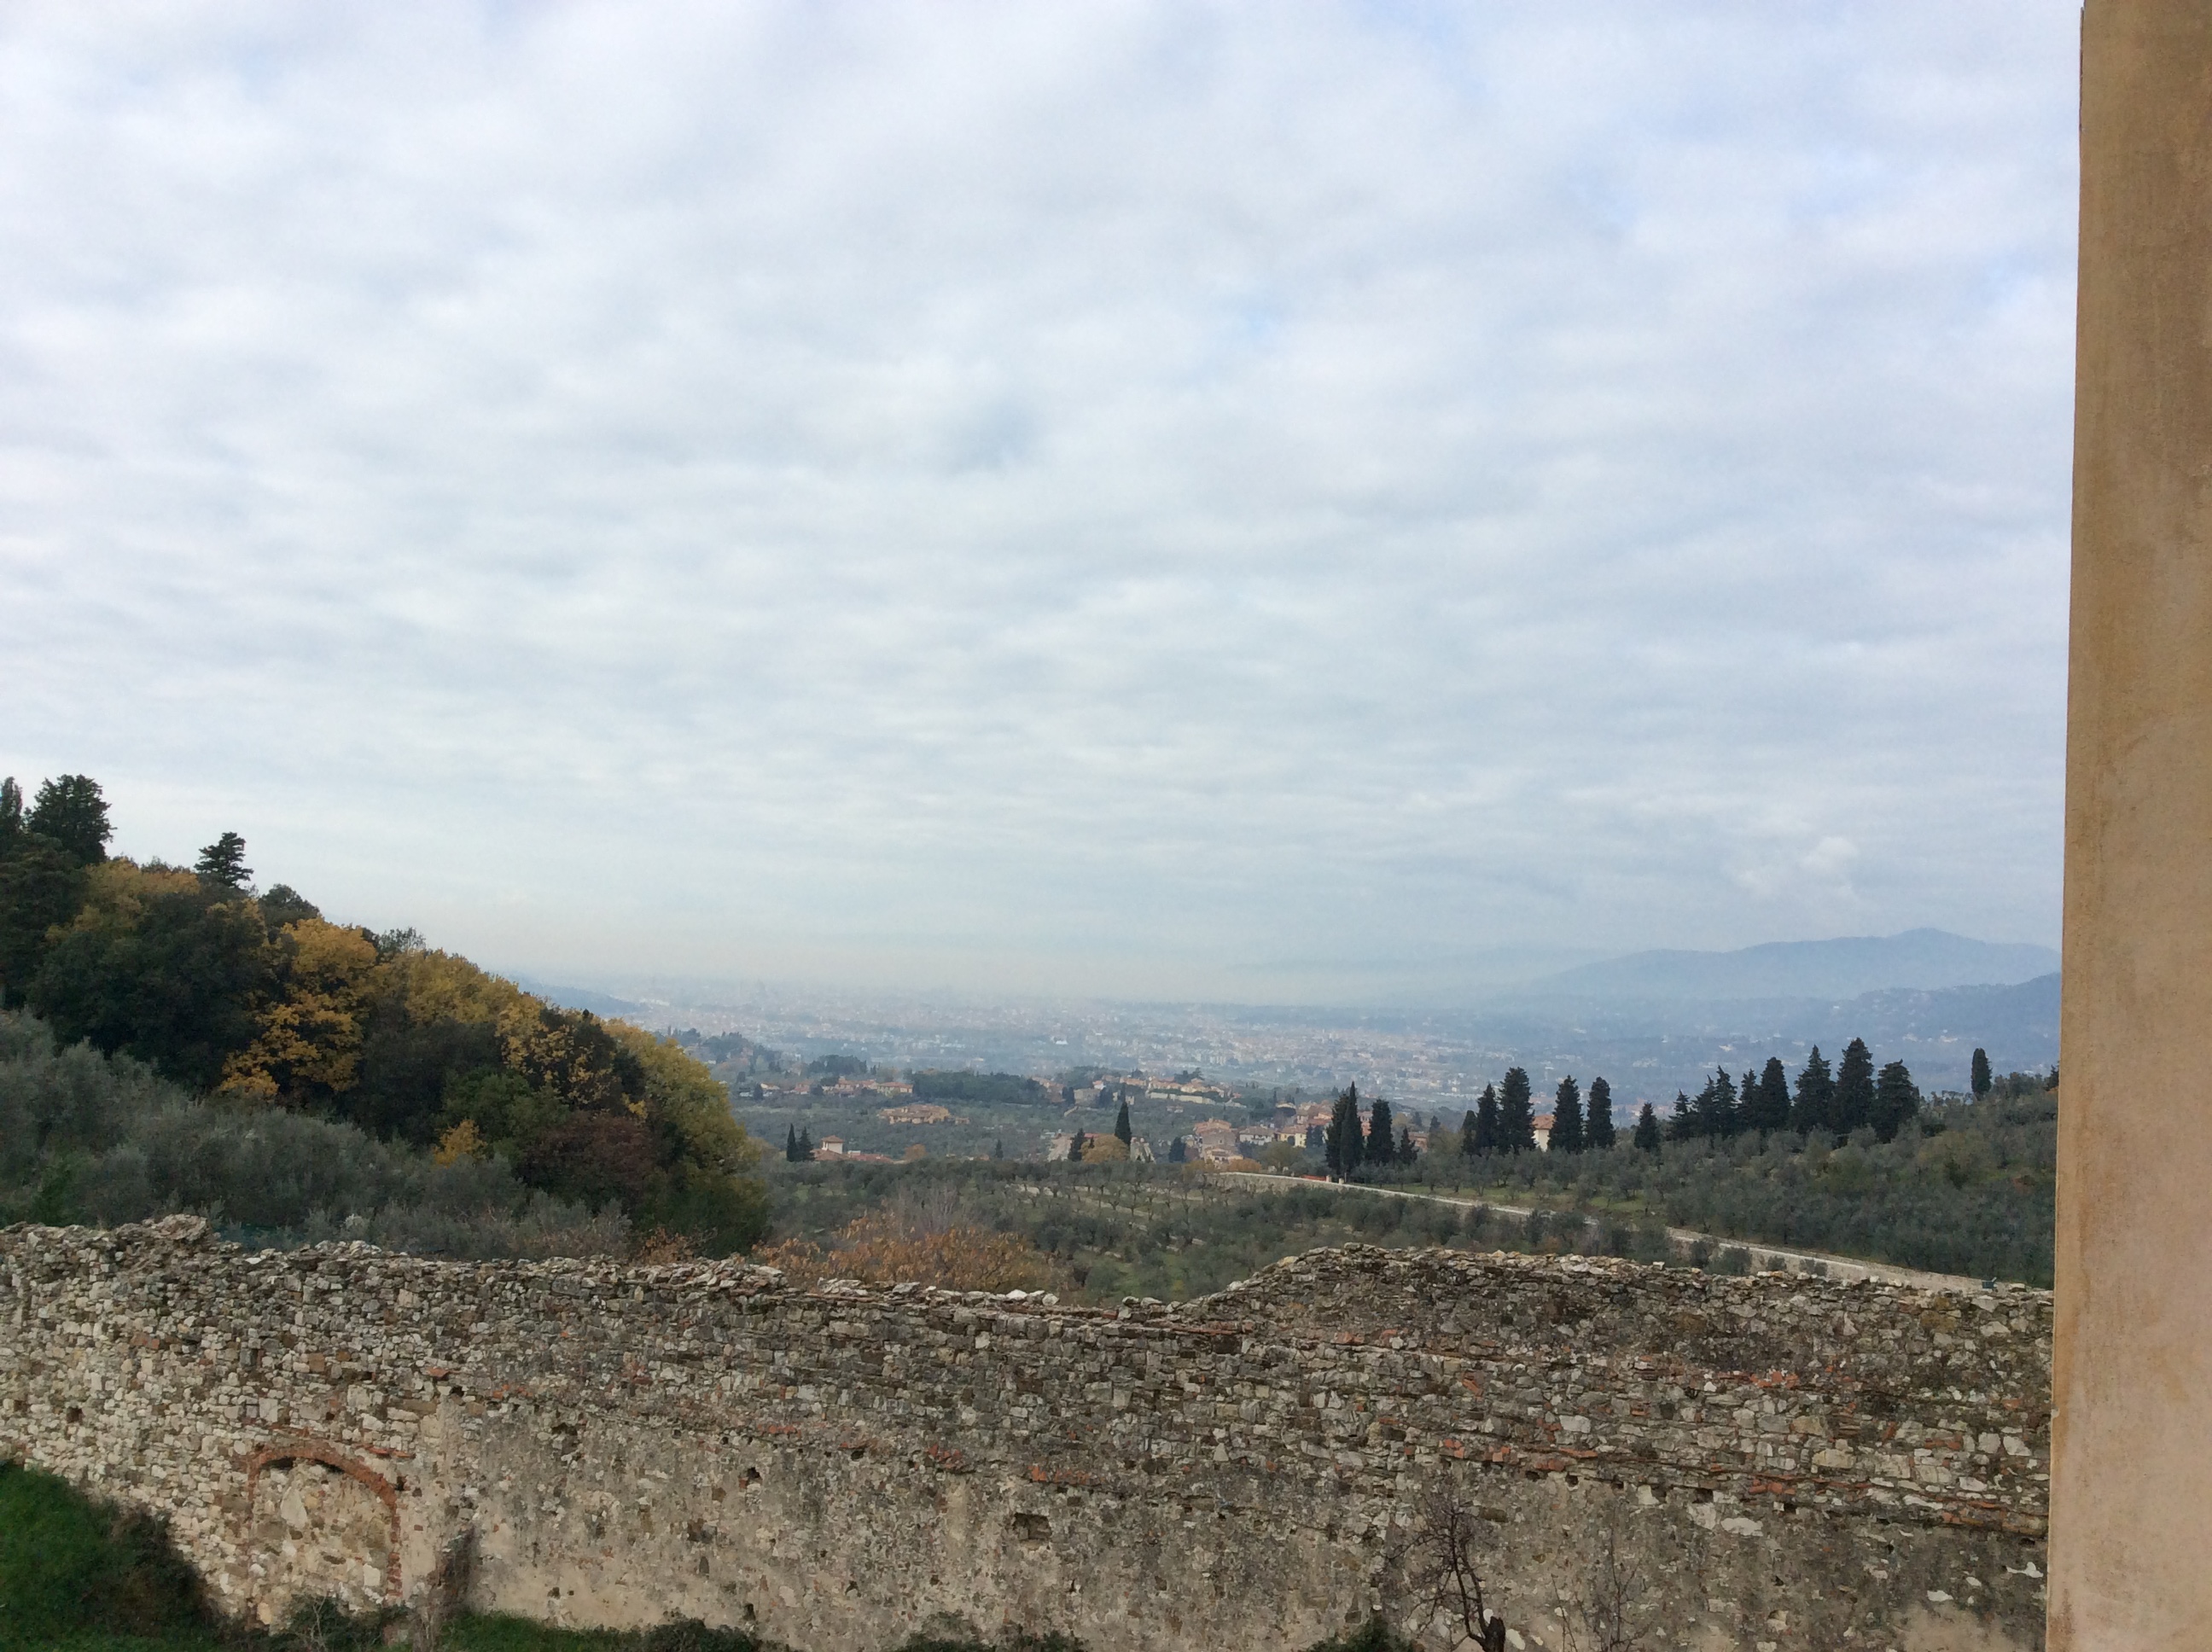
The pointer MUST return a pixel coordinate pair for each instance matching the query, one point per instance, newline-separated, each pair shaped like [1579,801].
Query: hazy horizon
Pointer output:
[1139,501]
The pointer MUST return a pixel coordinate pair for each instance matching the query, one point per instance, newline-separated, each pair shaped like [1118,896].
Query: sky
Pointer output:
[1268,503]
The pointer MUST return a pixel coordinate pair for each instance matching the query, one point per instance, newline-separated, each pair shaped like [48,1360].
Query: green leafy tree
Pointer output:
[1382,1150]
[1597,1128]
[1896,1099]
[1343,1146]
[1854,1103]
[223,862]
[1487,1137]
[1815,1104]
[1567,1117]
[1516,1119]
[1647,1130]
[71,813]
[1981,1080]
[41,887]
[1123,1131]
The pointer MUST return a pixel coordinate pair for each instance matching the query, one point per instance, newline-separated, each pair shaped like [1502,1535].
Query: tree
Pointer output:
[1517,1119]
[1317,1139]
[1766,1105]
[1816,1095]
[1487,1139]
[998,1148]
[41,888]
[1075,1149]
[1896,1098]
[1381,1135]
[1647,1130]
[1980,1080]
[1854,1103]
[1178,1152]
[1341,1143]
[791,1144]
[1712,1114]
[71,814]
[1121,1129]
[1597,1128]
[1407,1153]
[11,812]
[1467,1134]
[223,862]
[805,1145]
[1567,1117]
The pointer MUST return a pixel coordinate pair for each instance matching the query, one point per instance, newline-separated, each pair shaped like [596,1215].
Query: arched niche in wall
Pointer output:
[320,1522]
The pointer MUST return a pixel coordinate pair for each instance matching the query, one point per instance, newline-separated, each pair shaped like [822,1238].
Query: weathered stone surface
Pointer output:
[1783,1461]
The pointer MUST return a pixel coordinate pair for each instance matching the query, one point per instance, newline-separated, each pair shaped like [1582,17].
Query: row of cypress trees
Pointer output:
[1850,1096]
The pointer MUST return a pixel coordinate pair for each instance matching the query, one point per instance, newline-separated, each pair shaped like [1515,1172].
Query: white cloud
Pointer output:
[1114,498]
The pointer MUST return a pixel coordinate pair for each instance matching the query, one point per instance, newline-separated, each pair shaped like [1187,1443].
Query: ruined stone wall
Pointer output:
[1776,1461]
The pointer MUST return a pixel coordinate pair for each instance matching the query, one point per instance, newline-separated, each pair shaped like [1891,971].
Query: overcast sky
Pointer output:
[1264,502]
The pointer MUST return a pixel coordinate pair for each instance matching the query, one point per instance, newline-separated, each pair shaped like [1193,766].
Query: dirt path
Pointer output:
[1762,1257]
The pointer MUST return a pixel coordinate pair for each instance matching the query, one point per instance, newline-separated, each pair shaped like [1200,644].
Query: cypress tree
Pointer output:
[1178,1152]
[1597,1128]
[1714,1112]
[1467,1137]
[1341,1143]
[998,1148]
[805,1146]
[1567,1117]
[1816,1095]
[1075,1149]
[1517,1119]
[1121,1130]
[1382,1136]
[1854,1102]
[1406,1152]
[1981,1080]
[1487,1138]
[1647,1130]
[1896,1098]
[791,1144]
[1683,1127]
[1766,1103]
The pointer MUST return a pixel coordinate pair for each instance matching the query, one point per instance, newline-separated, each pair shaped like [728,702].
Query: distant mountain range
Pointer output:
[1921,960]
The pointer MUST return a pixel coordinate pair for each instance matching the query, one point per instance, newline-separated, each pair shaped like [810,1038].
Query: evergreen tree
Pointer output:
[1467,1137]
[998,1148]
[1715,1110]
[1317,1139]
[223,862]
[1341,1143]
[1854,1102]
[1567,1117]
[1980,1081]
[1647,1130]
[1407,1153]
[1597,1128]
[1075,1149]
[1487,1139]
[1178,1152]
[71,813]
[1766,1100]
[805,1145]
[1121,1129]
[1816,1095]
[1684,1126]
[1517,1119]
[1381,1138]
[1896,1098]
[791,1144]
[11,812]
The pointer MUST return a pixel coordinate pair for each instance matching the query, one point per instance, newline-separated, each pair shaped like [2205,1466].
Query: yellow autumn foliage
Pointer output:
[308,1041]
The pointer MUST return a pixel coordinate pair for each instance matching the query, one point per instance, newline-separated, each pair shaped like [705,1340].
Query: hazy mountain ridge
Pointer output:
[1847,967]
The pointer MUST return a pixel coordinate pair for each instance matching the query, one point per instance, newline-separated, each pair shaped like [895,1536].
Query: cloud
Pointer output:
[1145,498]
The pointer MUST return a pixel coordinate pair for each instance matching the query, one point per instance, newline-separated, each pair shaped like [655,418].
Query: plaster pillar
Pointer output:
[2131,1486]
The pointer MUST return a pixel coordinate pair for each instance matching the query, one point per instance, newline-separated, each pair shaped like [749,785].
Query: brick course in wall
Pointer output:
[1777,1461]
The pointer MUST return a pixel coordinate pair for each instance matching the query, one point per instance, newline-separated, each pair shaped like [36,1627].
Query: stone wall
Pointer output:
[1776,1461]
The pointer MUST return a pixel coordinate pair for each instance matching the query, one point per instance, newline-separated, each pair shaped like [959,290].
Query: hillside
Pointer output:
[228,1020]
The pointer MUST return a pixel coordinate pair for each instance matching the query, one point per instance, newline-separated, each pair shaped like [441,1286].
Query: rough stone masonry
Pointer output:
[1773,1462]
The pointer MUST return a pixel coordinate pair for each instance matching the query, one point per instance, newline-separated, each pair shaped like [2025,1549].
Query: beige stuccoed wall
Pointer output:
[2132,1477]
